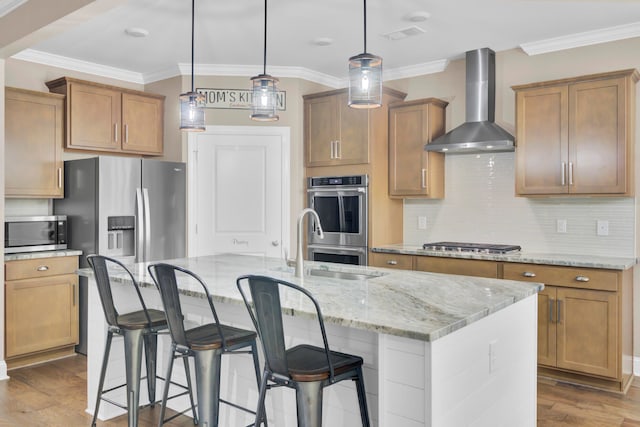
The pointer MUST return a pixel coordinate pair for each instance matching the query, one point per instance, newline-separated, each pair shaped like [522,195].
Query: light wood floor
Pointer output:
[54,394]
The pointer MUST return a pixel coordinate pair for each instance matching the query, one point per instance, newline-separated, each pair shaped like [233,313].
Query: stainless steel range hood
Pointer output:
[479,134]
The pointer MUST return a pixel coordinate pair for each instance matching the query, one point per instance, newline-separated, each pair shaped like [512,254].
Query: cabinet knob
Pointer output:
[42,268]
[529,274]
[582,278]
[392,262]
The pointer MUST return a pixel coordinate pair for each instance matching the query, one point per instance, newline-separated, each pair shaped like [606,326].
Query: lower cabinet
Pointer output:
[41,309]
[585,324]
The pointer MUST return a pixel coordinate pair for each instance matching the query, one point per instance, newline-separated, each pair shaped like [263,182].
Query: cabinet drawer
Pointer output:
[586,278]
[40,267]
[465,267]
[400,262]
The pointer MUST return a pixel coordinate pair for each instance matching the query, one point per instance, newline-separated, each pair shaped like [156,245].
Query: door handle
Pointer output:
[126,134]
[392,262]
[42,268]
[338,149]
[424,177]
[275,243]
[147,225]
[529,274]
[582,279]
[563,174]
[139,226]
[570,173]
[59,177]
[550,310]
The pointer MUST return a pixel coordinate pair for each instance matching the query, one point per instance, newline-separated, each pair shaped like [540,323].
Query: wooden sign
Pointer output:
[235,99]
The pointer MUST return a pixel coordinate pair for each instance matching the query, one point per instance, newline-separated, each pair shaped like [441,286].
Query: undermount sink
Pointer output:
[345,275]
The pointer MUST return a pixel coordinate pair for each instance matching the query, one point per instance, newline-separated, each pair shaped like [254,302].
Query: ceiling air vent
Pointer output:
[413,30]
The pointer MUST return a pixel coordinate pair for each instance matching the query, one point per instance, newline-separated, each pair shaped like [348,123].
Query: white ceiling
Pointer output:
[229,34]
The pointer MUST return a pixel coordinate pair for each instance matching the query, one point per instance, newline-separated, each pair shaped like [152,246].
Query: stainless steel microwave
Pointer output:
[35,233]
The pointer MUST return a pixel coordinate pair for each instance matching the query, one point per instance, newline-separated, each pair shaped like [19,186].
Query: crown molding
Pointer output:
[184,69]
[416,70]
[586,38]
[59,61]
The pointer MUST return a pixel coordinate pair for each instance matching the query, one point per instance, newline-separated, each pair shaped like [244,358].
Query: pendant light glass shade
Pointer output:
[365,81]
[365,76]
[264,88]
[192,103]
[192,112]
[264,98]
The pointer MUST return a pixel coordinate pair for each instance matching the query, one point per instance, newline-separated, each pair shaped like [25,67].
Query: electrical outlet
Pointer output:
[561,226]
[422,223]
[493,357]
[602,228]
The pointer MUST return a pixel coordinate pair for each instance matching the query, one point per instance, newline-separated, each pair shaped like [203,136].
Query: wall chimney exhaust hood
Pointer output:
[479,134]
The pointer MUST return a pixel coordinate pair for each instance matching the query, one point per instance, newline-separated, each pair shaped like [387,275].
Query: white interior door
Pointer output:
[239,190]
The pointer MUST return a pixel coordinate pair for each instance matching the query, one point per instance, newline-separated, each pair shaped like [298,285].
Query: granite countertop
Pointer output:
[412,304]
[41,254]
[568,260]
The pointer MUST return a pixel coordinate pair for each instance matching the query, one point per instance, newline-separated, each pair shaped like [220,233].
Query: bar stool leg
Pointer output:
[309,403]
[167,384]
[133,361]
[187,372]
[103,371]
[256,365]
[261,413]
[150,352]
[208,386]
[362,399]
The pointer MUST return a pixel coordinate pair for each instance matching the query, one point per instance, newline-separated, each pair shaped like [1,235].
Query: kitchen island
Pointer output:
[439,350]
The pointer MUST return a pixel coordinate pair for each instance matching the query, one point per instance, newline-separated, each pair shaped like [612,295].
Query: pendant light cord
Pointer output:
[193,14]
[264,69]
[365,26]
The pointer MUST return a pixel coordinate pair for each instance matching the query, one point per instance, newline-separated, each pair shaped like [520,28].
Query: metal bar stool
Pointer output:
[136,328]
[307,369]
[206,343]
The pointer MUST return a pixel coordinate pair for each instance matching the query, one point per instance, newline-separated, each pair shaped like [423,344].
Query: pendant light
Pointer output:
[192,103]
[265,88]
[365,76]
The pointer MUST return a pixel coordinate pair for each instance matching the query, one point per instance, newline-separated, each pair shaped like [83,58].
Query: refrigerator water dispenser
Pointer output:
[121,232]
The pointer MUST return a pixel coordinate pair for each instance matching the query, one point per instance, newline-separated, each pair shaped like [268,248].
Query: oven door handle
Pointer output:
[339,249]
[354,190]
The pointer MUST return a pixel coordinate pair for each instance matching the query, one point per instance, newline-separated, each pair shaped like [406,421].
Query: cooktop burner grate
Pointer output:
[486,248]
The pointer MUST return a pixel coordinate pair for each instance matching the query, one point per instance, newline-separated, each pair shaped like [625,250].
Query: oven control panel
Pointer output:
[323,181]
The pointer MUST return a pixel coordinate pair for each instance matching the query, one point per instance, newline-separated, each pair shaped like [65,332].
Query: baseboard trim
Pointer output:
[636,366]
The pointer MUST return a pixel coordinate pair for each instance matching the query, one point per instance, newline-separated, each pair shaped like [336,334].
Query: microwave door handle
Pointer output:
[139,226]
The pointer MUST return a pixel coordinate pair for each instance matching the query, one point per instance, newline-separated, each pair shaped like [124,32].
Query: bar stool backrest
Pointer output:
[100,266]
[164,275]
[265,309]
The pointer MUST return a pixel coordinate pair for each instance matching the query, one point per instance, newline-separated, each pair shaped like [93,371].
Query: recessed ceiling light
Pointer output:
[322,41]
[413,30]
[417,16]
[7,6]
[136,32]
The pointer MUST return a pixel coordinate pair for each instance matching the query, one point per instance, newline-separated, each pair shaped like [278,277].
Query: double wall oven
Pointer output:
[342,206]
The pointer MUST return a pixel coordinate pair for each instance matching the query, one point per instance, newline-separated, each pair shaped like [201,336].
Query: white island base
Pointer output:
[483,374]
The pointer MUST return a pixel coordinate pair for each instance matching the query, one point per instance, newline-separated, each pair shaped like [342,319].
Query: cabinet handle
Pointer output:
[563,174]
[59,177]
[115,132]
[126,134]
[550,310]
[529,274]
[74,295]
[392,262]
[559,318]
[338,149]
[42,268]
[570,173]
[424,177]
[582,279]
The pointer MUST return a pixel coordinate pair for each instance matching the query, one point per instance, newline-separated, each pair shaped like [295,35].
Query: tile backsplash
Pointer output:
[480,206]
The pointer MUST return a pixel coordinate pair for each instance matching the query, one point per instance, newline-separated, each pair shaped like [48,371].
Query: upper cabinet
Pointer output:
[335,134]
[107,118]
[576,136]
[414,172]
[34,129]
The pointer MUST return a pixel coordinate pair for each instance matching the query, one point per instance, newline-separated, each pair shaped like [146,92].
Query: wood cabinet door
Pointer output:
[542,140]
[320,130]
[397,261]
[34,129]
[93,120]
[353,134]
[587,331]
[464,267]
[142,124]
[407,158]
[597,137]
[41,314]
[547,326]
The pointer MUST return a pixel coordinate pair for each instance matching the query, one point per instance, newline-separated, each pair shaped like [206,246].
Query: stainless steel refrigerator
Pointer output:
[126,208]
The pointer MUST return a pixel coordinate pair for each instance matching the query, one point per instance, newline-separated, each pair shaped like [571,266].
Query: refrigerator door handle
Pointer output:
[139,226]
[147,225]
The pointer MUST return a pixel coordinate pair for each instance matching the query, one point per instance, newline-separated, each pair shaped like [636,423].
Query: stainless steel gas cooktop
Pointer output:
[484,248]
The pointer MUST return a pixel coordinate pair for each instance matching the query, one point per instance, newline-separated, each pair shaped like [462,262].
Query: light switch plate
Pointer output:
[422,223]
[561,226]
